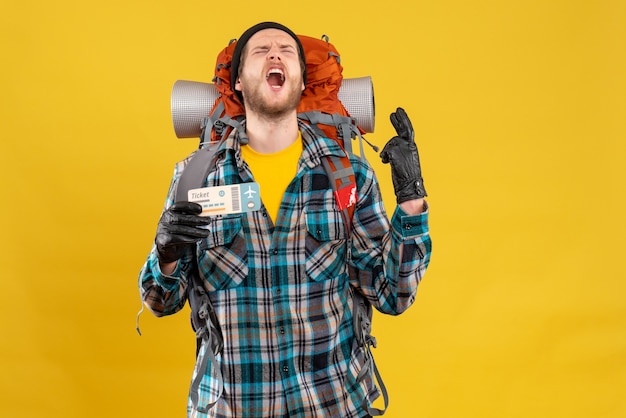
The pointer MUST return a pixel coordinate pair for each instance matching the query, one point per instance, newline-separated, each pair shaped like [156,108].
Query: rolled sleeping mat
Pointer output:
[192,101]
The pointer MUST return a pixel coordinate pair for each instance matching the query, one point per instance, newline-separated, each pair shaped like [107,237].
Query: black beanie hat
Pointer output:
[243,40]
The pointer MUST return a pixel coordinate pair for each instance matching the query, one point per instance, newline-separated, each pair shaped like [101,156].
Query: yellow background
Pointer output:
[519,109]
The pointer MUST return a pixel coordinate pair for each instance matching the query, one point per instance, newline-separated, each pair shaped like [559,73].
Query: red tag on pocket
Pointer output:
[346,196]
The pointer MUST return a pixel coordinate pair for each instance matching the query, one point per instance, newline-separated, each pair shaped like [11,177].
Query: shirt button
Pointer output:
[274,251]
[408,226]
[278,291]
[285,369]
[282,330]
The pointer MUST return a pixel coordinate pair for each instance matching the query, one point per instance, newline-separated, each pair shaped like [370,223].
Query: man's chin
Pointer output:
[274,105]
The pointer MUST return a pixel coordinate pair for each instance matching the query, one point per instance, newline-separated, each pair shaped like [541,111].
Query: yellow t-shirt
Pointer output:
[273,172]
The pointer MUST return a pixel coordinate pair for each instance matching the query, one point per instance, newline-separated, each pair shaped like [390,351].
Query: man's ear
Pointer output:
[238,84]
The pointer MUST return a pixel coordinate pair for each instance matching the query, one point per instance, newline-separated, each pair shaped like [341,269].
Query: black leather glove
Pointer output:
[179,229]
[401,153]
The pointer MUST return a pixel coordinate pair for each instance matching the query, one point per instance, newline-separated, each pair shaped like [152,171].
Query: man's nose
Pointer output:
[273,54]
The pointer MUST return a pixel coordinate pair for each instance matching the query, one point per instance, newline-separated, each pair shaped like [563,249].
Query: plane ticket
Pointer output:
[224,200]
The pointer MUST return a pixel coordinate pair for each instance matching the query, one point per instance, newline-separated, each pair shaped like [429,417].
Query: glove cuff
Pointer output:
[168,254]
[413,189]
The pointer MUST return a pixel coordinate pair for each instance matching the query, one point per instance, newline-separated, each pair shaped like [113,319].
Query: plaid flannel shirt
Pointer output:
[282,291]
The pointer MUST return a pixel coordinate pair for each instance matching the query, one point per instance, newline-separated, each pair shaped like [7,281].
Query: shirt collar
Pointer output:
[315,147]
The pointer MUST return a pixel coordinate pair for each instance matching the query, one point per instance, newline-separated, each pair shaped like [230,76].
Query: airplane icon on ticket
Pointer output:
[250,193]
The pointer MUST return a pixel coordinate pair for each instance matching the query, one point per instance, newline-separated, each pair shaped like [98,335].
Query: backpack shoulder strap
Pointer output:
[209,338]
[343,183]
[196,170]
[362,323]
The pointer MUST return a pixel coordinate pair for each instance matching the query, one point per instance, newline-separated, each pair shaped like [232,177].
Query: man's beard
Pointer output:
[254,101]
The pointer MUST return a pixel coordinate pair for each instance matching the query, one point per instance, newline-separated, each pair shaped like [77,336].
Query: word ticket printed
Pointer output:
[224,200]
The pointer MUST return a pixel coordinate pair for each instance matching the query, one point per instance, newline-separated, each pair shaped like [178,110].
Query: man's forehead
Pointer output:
[271,35]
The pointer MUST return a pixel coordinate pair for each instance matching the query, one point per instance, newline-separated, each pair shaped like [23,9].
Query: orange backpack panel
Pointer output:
[324,77]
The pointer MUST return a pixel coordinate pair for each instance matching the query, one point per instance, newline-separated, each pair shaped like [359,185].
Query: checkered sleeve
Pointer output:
[165,294]
[390,283]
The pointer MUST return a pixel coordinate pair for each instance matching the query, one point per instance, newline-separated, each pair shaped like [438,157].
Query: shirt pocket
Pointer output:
[325,244]
[223,255]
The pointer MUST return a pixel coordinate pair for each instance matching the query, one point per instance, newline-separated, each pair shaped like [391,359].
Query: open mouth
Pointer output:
[275,77]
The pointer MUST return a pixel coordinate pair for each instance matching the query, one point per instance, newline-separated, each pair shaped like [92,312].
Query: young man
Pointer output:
[281,278]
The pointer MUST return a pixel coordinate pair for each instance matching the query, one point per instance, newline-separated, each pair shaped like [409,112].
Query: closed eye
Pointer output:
[288,49]
[260,50]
